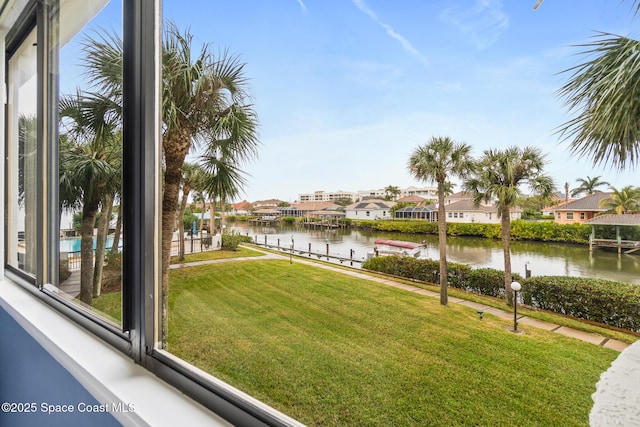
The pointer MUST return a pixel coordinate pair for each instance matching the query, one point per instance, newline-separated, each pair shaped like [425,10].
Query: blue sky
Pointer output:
[346,89]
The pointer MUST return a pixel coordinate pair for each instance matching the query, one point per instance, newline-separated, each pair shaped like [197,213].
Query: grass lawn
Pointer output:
[328,349]
[221,254]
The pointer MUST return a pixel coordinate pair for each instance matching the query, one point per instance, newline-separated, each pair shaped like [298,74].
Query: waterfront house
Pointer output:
[429,213]
[241,208]
[464,211]
[266,204]
[457,197]
[370,209]
[416,200]
[580,210]
[459,208]
[305,209]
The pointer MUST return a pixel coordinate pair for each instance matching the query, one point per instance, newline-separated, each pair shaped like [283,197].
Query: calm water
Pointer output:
[72,244]
[544,258]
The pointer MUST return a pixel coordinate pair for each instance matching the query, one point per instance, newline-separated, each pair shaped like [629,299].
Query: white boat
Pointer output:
[384,247]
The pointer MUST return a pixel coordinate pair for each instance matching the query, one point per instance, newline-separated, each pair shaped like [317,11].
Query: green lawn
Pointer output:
[221,254]
[328,349]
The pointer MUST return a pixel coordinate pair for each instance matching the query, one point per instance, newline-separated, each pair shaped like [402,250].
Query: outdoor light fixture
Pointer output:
[291,252]
[480,313]
[515,287]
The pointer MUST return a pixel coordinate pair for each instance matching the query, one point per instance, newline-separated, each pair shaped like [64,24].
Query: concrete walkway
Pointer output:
[71,286]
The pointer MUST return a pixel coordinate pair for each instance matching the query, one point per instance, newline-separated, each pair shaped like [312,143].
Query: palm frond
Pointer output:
[605,93]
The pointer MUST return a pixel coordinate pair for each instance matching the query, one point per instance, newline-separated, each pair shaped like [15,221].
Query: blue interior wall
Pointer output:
[28,374]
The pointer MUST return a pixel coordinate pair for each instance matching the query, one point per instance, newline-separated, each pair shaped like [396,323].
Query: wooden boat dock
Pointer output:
[619,220]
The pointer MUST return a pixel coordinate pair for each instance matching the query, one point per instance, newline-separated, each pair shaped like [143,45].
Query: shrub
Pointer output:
[426,270]
[288,220]
[544,231]
[486,281]
[604,301]
[113,261]
[230,241]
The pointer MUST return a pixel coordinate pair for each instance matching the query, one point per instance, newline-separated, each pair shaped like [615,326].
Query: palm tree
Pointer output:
[190,173]
[588,186]
[204,99]
[89,167]
[221,178]
[604,91]
[437,161]
[391,192]
[499,176]
[623,201]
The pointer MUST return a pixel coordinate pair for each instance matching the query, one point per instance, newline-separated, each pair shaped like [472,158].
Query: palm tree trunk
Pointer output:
[116,233]
[222,213]
[86,251]
[204,207]
[183,206]
[101,242]
[212,216]
[442,245]
[175,149]
[506,248]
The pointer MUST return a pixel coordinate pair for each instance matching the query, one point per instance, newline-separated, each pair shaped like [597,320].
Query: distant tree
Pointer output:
[498,176]
[391,192]
[399,206]
[343,201]
[588,186]
[440,159]
[222,177]
[187,219]
[449,188]
[532,206]
[284,204]
[190,176]
[623,201]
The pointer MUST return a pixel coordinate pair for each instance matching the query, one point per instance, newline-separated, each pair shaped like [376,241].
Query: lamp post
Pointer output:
[515,286]
[291,253]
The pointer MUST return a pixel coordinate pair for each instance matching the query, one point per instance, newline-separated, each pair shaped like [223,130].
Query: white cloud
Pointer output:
[302,5]
[484,22]
[406,44]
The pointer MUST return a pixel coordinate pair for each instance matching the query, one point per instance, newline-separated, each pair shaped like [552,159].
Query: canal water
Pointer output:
[545,259]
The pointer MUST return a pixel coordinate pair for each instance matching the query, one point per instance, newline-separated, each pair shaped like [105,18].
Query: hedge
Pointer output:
[484,281]
[543,231]
[603,301]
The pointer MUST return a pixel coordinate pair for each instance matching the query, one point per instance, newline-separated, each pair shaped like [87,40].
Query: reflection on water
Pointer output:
[544,259]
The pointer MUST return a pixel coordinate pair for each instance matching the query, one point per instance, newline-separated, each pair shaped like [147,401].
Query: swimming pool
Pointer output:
[72,244]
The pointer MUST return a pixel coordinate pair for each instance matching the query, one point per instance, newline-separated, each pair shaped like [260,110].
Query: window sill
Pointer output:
[107,374]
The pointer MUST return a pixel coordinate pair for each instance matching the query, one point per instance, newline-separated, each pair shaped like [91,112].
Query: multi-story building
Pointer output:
[381,193]
[327,196]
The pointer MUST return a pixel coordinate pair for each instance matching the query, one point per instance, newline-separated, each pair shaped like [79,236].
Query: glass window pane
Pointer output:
[22,157]
[90,153]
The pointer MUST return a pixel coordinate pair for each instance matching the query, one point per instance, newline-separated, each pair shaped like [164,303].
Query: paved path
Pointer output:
[522,320]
